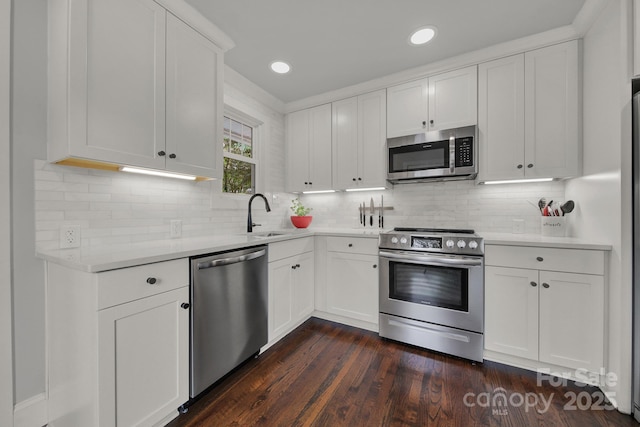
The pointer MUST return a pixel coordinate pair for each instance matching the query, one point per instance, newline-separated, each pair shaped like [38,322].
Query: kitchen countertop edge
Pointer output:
[537,240]
[113,257]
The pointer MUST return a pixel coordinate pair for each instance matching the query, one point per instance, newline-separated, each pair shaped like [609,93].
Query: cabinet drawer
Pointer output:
[128,284]
[286,249]
[552,259]
[353,245]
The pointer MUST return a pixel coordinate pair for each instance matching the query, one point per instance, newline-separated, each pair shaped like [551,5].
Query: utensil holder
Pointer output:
[553,226]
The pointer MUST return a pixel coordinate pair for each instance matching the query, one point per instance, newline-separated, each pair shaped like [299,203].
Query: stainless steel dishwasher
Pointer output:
[228,314]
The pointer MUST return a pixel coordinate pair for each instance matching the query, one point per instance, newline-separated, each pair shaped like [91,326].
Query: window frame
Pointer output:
[256,149]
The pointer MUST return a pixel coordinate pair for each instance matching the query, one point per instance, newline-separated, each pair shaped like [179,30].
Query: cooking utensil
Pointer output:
[567,207]
[542,203]
[371,210]
[364,215]
[360,212]
[381,225]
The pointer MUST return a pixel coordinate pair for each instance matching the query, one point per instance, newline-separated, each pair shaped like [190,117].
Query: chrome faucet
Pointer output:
[250,223]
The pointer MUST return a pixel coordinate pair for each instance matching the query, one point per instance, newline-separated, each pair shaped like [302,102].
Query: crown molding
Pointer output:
[195,19]
[588,15]
[246,86]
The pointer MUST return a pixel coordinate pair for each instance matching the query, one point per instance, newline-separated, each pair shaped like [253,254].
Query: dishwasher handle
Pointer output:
[230,260]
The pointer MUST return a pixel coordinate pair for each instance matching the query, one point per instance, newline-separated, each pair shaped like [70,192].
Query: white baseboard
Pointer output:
[31,412]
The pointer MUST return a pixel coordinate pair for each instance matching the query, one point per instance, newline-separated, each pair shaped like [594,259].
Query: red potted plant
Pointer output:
[301,219]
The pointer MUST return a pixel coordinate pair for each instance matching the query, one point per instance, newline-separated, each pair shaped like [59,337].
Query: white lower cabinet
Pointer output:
[143,358]
[119,344]
[554,318]
[348,285]
[291,285]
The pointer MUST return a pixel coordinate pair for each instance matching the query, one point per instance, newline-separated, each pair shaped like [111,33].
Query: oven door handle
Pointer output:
[432,260]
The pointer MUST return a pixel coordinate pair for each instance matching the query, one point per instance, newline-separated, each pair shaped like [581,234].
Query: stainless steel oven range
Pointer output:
[432,289]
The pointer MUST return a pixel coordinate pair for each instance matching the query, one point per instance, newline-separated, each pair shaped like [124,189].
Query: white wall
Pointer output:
[6,347]
[29,68]
[603,190]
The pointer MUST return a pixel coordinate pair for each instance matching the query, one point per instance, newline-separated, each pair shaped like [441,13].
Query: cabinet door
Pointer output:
[194,102]
[297,150]
[551,111]
[511,311]
[453,99]
[352,286]
[303,286]
[320,147]
[117,79]
[572,320]
[501,118]
[407,108]
[372,130]
[280,297]
[143,359]
[345,143]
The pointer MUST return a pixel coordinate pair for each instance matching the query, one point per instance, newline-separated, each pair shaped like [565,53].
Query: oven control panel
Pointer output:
[452,244]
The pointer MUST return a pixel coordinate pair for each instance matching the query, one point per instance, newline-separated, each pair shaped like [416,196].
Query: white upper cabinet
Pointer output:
[444,101]
[453,99]
[359,129]
[407,108]
[552,111]
[501,118]
[194,101]
[528,117]
[309,149]
[130,84]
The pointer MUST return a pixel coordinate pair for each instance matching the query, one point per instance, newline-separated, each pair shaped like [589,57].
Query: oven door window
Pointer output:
[445,287]
[408,158]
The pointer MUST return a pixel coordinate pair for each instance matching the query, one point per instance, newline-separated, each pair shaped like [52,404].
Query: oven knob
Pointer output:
[461,244]
[403,240]
[394,240]
[473,244]
[450,243]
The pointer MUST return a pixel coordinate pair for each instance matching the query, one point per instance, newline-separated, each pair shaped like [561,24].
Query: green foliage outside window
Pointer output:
[238,175]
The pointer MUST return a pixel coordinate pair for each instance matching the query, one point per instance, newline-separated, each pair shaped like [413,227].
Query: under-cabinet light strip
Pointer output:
[518,181]
[365,189]
[157,173]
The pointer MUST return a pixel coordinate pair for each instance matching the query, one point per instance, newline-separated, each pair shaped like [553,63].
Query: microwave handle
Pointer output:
[452,154]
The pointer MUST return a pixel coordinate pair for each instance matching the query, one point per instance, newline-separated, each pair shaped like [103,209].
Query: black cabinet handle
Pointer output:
[151,280]
[424,123]
[545,285]
[534,284]
[375,265]
[530,165]
[161,153]
[540,259]
[519,166]
[359,179]
[350,245]
[353,179]
[185,305]
[431,121]
[172,156]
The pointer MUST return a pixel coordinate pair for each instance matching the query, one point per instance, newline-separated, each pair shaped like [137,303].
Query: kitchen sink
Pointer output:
[269,234]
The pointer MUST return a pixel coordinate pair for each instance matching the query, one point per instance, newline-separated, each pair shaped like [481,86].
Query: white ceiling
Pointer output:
[332,44]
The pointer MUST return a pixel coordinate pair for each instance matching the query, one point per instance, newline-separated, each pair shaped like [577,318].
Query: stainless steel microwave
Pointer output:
[437,155]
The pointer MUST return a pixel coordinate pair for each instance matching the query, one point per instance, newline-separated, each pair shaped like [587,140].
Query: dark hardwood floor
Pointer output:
[327,374]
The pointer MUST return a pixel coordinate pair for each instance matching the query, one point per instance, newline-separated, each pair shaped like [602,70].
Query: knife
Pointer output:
[371,209]
[381,217]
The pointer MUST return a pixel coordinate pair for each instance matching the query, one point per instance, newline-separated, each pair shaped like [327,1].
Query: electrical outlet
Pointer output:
[70,236]
[176,228]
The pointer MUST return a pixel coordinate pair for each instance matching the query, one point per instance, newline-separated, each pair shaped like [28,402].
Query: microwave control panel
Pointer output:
[464,151]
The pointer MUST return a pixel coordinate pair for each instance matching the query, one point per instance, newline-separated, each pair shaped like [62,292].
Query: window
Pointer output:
[239,167]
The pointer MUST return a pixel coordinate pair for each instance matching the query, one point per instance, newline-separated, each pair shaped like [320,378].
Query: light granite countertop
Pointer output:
[103,258]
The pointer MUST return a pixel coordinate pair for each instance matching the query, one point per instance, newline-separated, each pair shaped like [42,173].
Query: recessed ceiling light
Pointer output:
[422,36]
[280,67]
